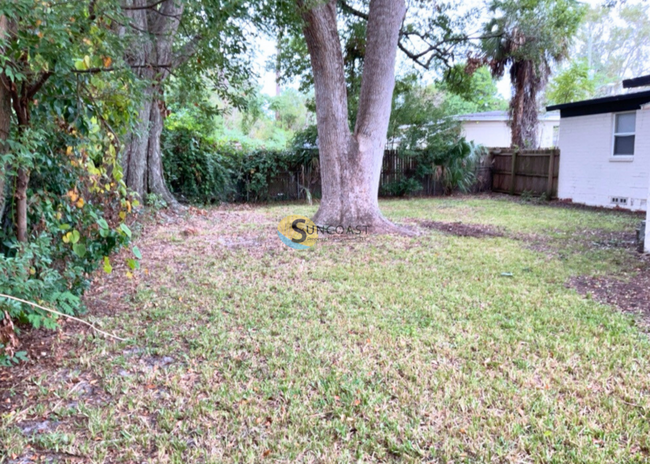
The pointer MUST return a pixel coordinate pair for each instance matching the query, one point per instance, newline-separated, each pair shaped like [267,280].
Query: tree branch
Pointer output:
[436,50]
[34,88]
[188,50]
[144,7]
[111,69]
[354,12]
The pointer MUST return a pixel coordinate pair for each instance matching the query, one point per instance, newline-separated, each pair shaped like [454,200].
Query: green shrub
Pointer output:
[406,186]
[452,163]
[77,207]
[195,170]
[200,170]
[254,170]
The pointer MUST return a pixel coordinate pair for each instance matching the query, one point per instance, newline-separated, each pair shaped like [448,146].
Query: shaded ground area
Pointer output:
[372,349]
[463,230]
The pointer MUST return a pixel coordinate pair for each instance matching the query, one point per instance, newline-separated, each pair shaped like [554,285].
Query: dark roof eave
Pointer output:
[636,82]
[602,105]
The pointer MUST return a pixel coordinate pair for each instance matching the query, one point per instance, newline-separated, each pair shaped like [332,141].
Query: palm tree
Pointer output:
[529,37]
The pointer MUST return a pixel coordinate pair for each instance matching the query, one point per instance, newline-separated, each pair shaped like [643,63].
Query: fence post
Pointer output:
[513,172]
[551,175]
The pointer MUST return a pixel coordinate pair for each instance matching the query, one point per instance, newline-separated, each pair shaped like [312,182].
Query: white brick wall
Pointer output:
[646,243]
[589,174]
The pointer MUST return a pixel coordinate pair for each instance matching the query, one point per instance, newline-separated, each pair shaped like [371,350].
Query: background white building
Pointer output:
[605,151]
[491,128]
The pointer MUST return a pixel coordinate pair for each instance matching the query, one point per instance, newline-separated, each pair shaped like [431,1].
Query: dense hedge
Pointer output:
[201,170]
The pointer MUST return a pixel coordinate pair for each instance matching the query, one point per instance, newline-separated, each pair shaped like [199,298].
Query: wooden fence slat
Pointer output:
[551,173]
[513,172]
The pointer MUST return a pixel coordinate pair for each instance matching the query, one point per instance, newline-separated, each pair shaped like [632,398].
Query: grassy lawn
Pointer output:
[436,348]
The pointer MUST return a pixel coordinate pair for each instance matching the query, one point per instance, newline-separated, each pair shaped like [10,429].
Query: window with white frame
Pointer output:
[624,126]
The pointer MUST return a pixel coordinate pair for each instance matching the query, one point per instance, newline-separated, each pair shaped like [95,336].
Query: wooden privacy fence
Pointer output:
[535,172]
[289,185]
[395,167]
[532,171]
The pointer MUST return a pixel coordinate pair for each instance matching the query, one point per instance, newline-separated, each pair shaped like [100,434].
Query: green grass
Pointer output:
[374,349]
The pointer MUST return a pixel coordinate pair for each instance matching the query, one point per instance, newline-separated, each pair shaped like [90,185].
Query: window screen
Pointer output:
[624,127]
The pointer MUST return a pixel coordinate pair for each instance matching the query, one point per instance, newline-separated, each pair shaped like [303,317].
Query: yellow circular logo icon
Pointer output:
[298,232]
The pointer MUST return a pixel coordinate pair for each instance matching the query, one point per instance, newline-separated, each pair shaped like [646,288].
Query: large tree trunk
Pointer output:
[151,58]
[351,162]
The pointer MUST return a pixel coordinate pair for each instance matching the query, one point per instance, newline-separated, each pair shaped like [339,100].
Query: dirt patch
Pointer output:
[463,230]
[631,295]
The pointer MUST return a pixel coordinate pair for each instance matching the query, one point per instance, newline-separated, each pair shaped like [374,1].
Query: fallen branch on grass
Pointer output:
[62,314]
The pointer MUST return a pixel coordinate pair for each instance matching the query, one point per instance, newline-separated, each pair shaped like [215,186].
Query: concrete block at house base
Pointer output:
[640,237]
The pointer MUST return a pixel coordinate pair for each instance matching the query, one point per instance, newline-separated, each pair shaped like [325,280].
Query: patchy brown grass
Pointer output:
[372,349]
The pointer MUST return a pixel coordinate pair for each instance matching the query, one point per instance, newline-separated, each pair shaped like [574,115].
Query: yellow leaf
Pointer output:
[66,237]
[73,196]
[128,206]
[107,61]
[68,151]
[80,203]
[129,275]
[122,215]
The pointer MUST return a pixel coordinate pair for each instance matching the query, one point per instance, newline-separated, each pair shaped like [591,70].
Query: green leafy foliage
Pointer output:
[471,92]
[456,166]
[403,187]
[77,223]
[72,99]
[572,84]
[254,170]
[195,169]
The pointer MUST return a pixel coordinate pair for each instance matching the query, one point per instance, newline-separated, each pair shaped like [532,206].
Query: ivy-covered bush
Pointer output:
[196,169]
[201,170]
[253,171]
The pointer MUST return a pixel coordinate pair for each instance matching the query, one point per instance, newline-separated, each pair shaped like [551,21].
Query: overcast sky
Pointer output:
[267,49]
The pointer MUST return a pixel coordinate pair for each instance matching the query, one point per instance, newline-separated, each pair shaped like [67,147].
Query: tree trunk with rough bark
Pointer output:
[528,80]
[151,58]
[351,161]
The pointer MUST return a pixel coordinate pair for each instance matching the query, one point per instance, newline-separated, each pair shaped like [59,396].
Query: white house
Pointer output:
[491,128]
[647,229]
[605,151]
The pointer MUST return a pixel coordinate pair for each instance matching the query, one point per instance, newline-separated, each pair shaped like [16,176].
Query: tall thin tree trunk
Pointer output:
[20,196]
[5,122]
[156,179]
[351,162]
